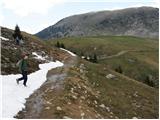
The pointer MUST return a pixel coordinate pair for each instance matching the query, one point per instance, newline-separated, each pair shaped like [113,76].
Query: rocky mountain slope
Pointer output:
[142,22]
[11,53]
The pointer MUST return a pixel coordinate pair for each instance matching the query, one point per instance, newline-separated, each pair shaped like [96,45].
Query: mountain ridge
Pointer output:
[140,22]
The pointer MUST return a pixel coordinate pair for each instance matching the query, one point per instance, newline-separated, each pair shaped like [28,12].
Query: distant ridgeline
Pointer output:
[140,22]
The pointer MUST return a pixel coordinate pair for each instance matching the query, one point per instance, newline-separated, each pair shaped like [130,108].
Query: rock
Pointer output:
[102,106]
[82,115]
[47,108]
[111,113]
[82,97]
[48,103]
[116,117]
[108,109]
[74,97]
[81,71]
[66,117]
[135,94]
[85,91]
[69,103]
[79,86]
[95,102]
[134,118]
[98,92]
[85,86]
[110,76]
[131,60]
[72,90]
[80,101]
[96,116]
[59,108]
[88,110]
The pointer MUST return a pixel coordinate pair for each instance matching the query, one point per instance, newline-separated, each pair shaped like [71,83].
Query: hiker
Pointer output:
[17,40]
[22,64]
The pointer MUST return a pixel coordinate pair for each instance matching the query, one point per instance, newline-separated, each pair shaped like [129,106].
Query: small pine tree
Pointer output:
[17,32]
[81,54]
[119,69]
[57,44]
[149,82]
[90,58]
[95,58]
[62,45]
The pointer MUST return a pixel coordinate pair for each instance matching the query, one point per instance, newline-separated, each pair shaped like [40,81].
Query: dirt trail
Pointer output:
[42,103]
[116,55]
[121,53]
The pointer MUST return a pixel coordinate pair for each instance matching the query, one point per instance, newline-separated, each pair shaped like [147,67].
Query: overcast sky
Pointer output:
[35,15]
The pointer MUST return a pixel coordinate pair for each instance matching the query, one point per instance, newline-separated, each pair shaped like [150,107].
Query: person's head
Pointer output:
[24,56]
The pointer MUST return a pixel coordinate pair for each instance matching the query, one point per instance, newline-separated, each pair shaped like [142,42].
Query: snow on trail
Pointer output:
[13,95]
[68,52]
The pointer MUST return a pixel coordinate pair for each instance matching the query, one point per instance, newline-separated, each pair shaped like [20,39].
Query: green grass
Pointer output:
[118,94]
[106,45]
[140,62]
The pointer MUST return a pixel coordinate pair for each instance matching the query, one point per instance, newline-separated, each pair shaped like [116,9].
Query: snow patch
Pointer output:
[38,56]
[68,52]
[3,38]
[83,57]
[14,96]
[110,76]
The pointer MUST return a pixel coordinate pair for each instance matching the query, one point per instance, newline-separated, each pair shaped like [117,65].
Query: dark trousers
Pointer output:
[17,42]
[24,77]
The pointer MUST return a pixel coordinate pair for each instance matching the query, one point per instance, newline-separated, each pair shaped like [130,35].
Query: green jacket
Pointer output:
[23,65]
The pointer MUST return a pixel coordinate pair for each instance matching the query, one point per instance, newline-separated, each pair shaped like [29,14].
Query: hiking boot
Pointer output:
[25,85]
[17,81]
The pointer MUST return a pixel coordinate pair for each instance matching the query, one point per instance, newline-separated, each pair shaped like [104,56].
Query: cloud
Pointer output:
[26,7]
[1,15]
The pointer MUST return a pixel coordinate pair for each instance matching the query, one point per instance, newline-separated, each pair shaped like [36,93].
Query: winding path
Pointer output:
[44,100]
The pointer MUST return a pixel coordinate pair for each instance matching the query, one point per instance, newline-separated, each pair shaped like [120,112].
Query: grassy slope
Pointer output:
[143,54]
[124,96]
[120,94]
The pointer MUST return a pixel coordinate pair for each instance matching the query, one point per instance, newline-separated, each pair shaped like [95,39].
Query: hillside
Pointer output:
[130,54]
[11,53]
[142,22]
[80,88]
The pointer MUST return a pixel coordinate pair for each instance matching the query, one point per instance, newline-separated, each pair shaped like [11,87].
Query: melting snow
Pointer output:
[38,56]
[68,52]
[3,38]
[13,95]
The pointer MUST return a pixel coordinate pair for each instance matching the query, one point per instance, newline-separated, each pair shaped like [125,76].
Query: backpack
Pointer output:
[18,63]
